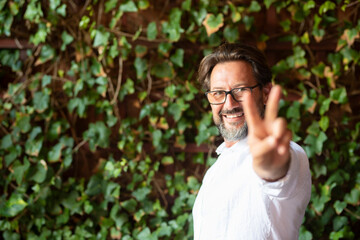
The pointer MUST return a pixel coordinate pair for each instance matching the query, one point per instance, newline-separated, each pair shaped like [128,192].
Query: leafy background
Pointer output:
[105,133]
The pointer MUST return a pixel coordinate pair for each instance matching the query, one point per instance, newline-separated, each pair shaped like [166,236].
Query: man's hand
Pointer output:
[269,138]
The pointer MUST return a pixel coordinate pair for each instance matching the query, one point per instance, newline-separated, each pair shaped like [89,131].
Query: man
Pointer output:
[260,185]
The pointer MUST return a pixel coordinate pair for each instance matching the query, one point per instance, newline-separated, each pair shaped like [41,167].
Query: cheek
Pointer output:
[215,109]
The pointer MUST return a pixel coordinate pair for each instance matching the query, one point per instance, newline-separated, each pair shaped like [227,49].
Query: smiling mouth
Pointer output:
[233,115]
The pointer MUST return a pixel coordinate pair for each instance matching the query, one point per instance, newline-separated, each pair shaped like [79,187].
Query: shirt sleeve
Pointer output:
[297,179]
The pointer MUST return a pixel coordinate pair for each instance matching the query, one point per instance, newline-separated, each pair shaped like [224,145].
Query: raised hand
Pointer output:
[269,138]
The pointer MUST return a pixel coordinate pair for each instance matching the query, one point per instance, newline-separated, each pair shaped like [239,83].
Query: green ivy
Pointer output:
[101,117]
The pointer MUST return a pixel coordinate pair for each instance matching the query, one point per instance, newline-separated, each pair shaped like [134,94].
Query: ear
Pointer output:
[266,91]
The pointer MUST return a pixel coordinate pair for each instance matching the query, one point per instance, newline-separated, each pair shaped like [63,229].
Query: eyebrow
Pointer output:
[235,86]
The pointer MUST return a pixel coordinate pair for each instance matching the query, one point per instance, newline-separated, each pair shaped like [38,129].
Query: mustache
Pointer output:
[234,110]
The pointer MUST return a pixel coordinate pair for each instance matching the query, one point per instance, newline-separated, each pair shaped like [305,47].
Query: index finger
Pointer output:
[272,105]
[252,115]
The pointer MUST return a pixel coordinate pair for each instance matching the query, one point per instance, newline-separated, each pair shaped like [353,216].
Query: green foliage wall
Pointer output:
[105,133]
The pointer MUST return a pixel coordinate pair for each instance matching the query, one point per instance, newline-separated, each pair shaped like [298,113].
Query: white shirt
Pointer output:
[234,203]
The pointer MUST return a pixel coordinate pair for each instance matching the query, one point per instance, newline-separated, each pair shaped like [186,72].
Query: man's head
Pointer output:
[234,66]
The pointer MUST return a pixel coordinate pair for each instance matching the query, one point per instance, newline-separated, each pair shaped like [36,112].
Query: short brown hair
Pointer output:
[235,52]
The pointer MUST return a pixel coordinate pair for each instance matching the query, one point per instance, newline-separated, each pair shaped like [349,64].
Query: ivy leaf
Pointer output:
[33,11]
[164,48]
[325,105]
[339,95]
[339,206]
[318,70]
[80,104]
[41,100]
[143,4]
[70,201]
[305,38]
[13,206]
[178,57]
[14,8]
[350,35]
[62,10]
[318,34]
[23,122]
[33,147]
[145,234]
[156,135]
[339,222]
[95,185]
[55,153]
[186,5]
[268,3]
[141,193]
[129,205]
[316,143]
[140,51]
[353,197]
[164,230]
[248,21]
[286,25]
[6,142]
[313,129]
[47,53]
[175,110]
[140,65]
[254,7]
[20,169]
[10,59]
[101,38]
[127,88]
[235,14]
[145,111]
[137,34]
[14,152]
[109,5]
[173,28]
[326,6]
[151,31]
[294,111]
[38,172]
[97,135]
[54,4]
[305,234]
[193,183]
[170,91]
[167,160]
[119,219]
[46,80]
[163,70]
[67,39]
[213,23]
[324,123]
[309,5]
[128,6]
[231,34]
[199,16]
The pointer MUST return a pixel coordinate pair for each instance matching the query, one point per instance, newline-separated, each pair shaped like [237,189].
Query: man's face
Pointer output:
[229,116]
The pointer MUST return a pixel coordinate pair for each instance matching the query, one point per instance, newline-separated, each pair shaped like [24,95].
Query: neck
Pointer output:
[229,144]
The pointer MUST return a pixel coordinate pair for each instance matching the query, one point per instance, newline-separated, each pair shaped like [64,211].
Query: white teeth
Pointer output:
[235,115]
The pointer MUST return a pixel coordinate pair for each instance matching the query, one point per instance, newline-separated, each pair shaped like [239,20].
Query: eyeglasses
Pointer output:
[219,97]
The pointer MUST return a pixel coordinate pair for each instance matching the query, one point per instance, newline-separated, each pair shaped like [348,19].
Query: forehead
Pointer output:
[227,75]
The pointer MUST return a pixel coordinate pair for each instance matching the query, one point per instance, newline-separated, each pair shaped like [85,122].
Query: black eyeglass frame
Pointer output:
[231,93]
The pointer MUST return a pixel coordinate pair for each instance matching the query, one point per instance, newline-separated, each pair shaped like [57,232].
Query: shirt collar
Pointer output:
[222,148]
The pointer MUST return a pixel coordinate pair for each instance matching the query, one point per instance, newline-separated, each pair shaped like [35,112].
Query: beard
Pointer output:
[236,132]
[233,134]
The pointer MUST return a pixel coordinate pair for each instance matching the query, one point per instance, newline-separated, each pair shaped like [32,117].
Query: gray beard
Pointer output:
[233,134]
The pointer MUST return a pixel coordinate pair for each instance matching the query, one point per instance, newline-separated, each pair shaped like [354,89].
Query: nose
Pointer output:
[230,102]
